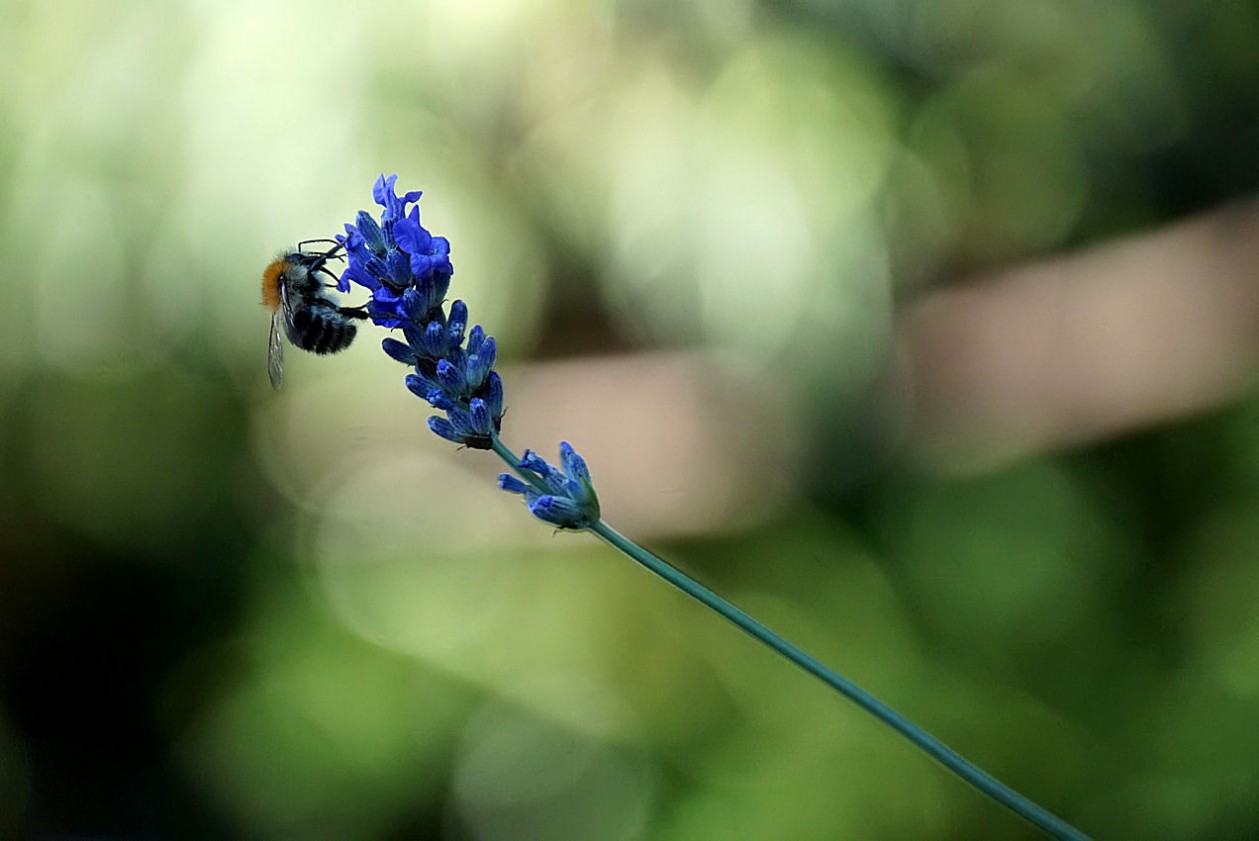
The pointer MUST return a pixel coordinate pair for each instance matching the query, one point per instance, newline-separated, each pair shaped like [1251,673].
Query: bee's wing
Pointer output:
[286,309]
[275,353]
[275,348]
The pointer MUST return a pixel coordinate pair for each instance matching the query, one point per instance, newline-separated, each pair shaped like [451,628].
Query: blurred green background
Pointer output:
[694,227]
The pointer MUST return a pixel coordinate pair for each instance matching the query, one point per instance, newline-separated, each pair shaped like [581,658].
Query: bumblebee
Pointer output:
[300,304]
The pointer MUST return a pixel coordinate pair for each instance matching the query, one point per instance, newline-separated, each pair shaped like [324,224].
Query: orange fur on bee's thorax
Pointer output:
[271,285]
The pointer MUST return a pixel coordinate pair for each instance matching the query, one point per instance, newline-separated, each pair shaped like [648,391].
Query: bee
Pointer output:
[300,304]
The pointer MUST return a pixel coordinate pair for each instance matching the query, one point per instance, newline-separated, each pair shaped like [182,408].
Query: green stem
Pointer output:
[513,461]
[1046,821]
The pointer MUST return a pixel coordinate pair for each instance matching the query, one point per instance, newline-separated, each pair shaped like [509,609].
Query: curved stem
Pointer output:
[937,750]
[1046,821]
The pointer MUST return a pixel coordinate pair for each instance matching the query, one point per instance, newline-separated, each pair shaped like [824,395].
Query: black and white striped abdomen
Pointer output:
[320,329]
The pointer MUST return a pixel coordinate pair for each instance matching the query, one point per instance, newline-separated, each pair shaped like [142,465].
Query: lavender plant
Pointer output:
[408,272]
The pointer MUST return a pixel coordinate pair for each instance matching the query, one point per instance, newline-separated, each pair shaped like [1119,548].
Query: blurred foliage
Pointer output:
[225,613]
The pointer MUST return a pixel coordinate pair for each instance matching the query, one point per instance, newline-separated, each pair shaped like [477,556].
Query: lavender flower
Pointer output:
[562,497]
[408,272]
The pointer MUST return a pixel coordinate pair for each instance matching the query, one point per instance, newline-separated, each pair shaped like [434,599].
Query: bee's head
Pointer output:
[313,262]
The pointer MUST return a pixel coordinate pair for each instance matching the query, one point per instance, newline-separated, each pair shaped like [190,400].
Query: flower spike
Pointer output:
[408,271]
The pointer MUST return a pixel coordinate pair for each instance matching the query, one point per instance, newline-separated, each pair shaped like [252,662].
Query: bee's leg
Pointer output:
[329,273]
[354,312]
[386,281]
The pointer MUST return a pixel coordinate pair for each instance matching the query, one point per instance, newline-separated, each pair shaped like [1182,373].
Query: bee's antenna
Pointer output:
[336,246]
[315,261]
